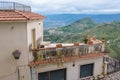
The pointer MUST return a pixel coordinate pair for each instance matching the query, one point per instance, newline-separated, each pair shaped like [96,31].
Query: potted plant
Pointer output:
[85,40]
[59,46]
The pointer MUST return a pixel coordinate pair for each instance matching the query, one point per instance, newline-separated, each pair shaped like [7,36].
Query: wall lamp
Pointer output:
[73,64]
[16,54]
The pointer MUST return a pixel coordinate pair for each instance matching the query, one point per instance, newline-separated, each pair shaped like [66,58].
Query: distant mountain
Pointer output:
[78,30]
[78,26]
[60,20]
[70,31]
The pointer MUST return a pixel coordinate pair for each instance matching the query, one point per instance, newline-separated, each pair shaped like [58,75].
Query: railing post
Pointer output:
[76,51]
[105,68]
[24,7]
[13,5]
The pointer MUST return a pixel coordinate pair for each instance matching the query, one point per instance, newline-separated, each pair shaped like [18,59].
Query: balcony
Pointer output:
[66,54]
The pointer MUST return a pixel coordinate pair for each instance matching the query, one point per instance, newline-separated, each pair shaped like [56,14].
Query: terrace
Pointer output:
[14,6]
[61,54]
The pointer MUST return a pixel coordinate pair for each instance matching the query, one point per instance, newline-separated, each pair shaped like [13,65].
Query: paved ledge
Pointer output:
[64,59]
[113,76]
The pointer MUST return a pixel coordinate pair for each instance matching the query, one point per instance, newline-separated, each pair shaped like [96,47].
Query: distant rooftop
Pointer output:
[14,6]
[11,11]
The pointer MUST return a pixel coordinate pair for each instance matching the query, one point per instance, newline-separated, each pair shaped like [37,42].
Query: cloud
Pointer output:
[72,6]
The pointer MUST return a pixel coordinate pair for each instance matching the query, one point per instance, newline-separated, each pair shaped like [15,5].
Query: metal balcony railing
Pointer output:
[113,64]
[52,53]
[14,6]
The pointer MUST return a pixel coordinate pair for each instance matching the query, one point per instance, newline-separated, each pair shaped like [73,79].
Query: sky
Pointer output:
[72,6]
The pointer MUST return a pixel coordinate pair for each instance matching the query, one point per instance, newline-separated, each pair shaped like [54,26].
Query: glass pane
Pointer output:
[86,70]
[58,75]
[43,76]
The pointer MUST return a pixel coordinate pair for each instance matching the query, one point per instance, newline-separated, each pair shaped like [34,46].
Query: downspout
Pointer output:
[18,73]
[32,73]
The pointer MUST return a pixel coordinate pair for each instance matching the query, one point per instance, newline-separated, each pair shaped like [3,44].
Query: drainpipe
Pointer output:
[32,73]
[105,68]
[18,73]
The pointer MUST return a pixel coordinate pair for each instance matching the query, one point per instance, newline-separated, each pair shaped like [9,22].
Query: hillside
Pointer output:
[65,34]
[110,31]
[78,30]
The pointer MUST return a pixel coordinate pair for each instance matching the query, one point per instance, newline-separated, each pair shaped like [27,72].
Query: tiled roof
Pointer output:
[8,15]
[65,59]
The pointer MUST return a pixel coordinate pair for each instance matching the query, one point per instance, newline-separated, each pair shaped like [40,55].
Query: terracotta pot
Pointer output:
[59,46]
[89,42]
[76,44]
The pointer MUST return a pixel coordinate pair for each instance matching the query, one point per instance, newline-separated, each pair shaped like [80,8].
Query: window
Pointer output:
[33,38]
[53,75]
[86,70]
[43,76]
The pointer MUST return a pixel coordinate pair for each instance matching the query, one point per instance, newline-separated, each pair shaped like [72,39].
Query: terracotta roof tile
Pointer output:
[19,15]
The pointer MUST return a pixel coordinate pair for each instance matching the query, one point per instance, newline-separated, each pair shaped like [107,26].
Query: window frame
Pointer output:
[49,73]
[93,65]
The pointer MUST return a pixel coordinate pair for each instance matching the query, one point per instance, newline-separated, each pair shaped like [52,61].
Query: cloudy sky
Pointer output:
[72,6]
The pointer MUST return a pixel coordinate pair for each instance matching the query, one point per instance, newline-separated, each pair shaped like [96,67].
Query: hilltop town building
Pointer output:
[21,31]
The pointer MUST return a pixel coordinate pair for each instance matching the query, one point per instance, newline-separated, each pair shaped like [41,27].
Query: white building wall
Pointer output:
[38,26]
[13,36]
[73,73]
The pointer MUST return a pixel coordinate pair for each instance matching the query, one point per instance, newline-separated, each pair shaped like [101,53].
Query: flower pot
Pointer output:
[89,42]
[76,44]
[59,46]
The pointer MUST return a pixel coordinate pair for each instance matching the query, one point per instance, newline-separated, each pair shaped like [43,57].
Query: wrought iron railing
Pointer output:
[113,64]
[14,6]
[51,53]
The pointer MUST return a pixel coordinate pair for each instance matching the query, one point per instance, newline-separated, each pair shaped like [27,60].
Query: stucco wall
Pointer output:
[38,26]
[73,73]
[13,36]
